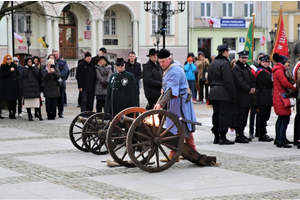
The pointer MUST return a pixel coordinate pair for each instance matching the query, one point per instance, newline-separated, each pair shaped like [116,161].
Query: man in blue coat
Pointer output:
[64,73]
[176,97]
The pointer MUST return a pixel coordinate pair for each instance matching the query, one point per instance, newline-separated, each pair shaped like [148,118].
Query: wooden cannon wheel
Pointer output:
[154,140]
[117,133]
[94,133]
[75,131]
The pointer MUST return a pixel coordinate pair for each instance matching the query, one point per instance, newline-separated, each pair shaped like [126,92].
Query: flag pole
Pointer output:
[253,26]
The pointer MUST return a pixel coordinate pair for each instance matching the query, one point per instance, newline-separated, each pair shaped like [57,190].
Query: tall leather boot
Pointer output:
[30,118]
[224,140]
[263,137]
[239,137]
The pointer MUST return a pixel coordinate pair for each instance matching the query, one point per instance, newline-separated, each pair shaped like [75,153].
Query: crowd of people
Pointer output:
[233,88]
[27,83]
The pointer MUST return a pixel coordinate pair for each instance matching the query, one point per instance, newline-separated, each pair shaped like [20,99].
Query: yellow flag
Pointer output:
[42,40]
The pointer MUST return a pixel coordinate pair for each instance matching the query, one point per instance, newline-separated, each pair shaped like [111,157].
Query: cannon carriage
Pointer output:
[135,137]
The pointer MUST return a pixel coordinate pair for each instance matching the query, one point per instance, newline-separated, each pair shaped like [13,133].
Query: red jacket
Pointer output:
[279,81]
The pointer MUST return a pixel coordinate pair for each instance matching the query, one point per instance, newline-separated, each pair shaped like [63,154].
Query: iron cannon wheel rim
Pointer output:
[75,131]
[90,137]
[116,137]
[156,139]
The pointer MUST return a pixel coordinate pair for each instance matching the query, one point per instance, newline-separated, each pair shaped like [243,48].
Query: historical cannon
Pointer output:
[135,137]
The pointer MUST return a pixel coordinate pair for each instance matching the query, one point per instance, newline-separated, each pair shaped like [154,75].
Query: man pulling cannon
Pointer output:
[177,96]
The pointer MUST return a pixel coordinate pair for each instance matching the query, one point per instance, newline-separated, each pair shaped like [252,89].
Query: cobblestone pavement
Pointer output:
[283,165]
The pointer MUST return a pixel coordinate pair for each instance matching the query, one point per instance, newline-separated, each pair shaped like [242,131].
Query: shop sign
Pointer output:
[233,23]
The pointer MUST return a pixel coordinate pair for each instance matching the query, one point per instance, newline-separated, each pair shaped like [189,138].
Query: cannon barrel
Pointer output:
[125,119]
[84,119]
[81,119]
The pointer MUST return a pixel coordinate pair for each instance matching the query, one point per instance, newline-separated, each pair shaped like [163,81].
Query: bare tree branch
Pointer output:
[7,9]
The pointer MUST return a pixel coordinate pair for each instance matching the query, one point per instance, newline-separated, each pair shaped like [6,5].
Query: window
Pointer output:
[275,27]
[298,32]
[204,45]
[298,5]
[205,9]
[227,9]
[232,45]
[248,9]
[22,22]
[110,22]
[157,20]
[73,73]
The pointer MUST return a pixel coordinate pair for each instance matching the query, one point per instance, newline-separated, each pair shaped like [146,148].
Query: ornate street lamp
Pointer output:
[157,35]
[272,36]
[164,11]
[28,35]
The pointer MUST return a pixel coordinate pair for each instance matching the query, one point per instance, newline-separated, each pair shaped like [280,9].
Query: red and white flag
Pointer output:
[262,40]
[211,21]
[281,43]
[19,38]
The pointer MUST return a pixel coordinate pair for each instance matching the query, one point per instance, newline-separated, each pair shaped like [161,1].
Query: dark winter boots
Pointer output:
[263,137]
[224,140]
[241,138]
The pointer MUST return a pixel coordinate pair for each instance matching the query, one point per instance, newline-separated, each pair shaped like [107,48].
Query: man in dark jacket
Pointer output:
[135,68]
[152,79]
[244,83]
[121,90]
[85,75]
[64,73]
[222,94]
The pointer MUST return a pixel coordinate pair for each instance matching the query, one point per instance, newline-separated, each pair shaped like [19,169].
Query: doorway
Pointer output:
[67,35]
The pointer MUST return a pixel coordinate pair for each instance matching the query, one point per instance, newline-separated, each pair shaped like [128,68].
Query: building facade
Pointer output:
[74,27]
[231,20]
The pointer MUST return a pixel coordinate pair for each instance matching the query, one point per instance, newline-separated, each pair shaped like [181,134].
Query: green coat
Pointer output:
[121,93]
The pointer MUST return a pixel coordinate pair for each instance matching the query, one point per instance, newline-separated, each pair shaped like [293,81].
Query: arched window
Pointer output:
[73,73]
[67,18]
[110,22]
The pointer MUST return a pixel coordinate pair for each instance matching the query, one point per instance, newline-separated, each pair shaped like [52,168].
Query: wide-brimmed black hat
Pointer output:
[163,53]
[101,57]
[120,61]
[152,52]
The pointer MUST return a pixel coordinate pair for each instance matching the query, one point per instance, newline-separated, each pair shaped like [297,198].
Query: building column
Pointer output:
[55,34]
[9,36]
[49,34]
[135,38]
[100,33]
[93,38]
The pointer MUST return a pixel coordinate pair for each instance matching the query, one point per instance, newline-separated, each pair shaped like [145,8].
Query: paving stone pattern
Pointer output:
[283,169]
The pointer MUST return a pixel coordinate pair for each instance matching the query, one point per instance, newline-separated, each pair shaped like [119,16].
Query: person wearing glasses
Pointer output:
[20,99]
[10,84]
[122,90]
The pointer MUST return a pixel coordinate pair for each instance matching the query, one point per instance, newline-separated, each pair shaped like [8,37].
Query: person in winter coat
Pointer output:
[20,99]
[222,94]
[86,82]
[10,84]
[244,83]
[38,64]
[103,71]
[189,70]
[31,88]
[263,97]
[296,74]
[135,68]
[152,79]
[202,67]
[50,75]
[279,84]
[121,90]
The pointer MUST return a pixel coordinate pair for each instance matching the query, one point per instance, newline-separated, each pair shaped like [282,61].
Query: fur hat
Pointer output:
[163,53]
[280,58]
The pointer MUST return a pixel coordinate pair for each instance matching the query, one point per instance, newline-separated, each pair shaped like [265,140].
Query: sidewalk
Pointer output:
[38,161]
